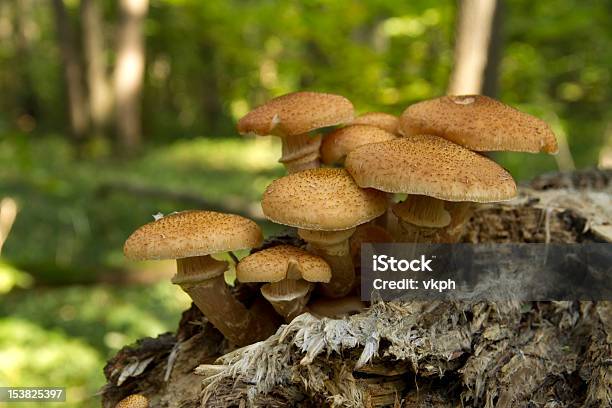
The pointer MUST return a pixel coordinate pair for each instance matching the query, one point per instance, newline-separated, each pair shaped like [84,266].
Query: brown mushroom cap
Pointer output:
[340,142]
[297,113]
[133,401]
[321,199]
[283,262]
[479,123]
[432,166]
[384,121]
[192,233]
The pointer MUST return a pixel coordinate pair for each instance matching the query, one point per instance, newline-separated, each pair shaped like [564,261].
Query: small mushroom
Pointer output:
[433,172]
[337,308]
[292,117]
[289,273]
[325,205]
[384,121]
[133,401]
[479,123]
[191,237]
[340,142]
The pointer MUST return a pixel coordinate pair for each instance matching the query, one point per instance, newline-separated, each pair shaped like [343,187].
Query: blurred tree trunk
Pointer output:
[77,103]
[129,72]
[477,48]
[24,26]
[100,96]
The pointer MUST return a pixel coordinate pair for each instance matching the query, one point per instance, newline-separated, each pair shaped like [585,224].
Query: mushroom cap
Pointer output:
[431,166]
[133,401]
[340,142]
[479,123]
[282,262]
[381,120]
[192,233]
[321,199]
[297,113]
[288,290]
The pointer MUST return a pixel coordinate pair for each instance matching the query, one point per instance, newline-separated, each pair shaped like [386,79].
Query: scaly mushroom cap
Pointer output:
[283,262]
[431,166]
[192,233]
[297,113]
[321,199]
[384,121]
[340,142]
[133,401]
[479,123]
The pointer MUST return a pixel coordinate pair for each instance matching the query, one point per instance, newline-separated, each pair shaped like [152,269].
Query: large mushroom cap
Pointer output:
[321,199]
[340,142]
[283,262]
[192,233]
[381,120]
[479,123]
[297,113]
[432,166]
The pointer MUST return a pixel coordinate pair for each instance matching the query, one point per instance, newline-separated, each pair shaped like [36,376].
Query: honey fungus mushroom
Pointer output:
[191,237]
[325,205]
[289,273]
[340,142]
[133,401]
[381,120]
[292,117]
[479,123]
[441,178]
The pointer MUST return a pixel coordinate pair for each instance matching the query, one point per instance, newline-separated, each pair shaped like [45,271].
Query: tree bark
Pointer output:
[129,72]
[477,41]
[100,96]
[72,71]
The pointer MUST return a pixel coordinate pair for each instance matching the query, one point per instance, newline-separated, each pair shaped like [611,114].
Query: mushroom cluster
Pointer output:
[414,178]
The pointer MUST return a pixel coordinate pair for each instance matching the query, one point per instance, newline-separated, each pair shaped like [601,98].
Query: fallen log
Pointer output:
[410,354]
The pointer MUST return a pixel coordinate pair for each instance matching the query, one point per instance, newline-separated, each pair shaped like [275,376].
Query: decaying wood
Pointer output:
[411,354]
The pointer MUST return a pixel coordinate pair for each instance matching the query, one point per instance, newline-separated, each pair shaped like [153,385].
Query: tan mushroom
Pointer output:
[191,237]
[384,121]
[292,117]
[337,308]
[440,178]
[325,205]
[133,401]
[479,123]
[289,273]
[340,142]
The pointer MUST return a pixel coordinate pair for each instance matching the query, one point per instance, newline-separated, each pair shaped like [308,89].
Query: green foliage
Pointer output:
[11,277]
[62,337]
[75,216]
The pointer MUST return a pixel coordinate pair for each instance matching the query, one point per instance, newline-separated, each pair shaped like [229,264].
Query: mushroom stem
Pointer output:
[202,278]
[300,152]
[461,212]
[288,296]
[333,246]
